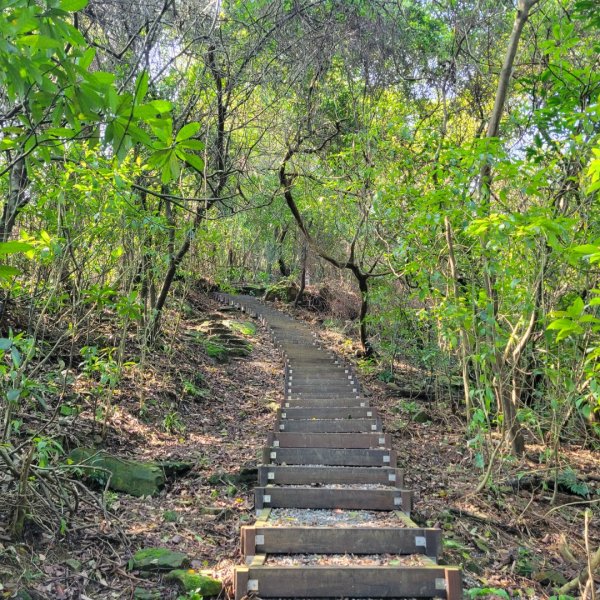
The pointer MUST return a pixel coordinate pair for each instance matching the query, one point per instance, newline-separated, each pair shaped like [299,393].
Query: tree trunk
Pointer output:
[17,199]
[303,273]
[363,286]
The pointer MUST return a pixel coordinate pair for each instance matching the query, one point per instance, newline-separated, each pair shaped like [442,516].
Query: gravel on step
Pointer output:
[345,560]
[339,486]
[306,517]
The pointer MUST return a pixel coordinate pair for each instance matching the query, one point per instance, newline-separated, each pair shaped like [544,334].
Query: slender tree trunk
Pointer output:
[500,372]
[363,286]
[463,337]
[16,200]
[303,272]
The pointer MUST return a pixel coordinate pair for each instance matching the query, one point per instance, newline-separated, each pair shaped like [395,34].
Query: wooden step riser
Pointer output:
[321,498]
[347,412]
[298,475]
[317,369]
[329,440]
[325,387]
[348,540]
[330,457]
[329,426]
[348,582]
[330,380]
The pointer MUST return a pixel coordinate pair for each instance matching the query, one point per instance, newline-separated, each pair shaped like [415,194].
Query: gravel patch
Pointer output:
[305,517]
[340,486]
[345,560]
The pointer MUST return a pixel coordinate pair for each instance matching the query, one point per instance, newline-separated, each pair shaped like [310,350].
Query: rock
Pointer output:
[143,594]
[129,476]
[199,581]
[158,559]
[286,291]
[421,417]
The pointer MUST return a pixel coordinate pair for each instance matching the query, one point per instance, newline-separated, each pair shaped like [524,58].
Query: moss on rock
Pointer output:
[158,559]
[123,475]
[190,580]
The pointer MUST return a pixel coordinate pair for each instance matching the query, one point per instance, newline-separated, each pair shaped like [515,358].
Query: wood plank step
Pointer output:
[361,457]
[330,383]
[329,425]
[300,475]
[327,412]
[348,582]
[325,388]
[341,540]
[283,439]
[321,497]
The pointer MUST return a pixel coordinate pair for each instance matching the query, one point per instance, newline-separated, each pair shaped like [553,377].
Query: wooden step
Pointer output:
[329,425]
[323,396]
[322,497]
[283,439]
[348,582]
[327,412]
[317,388]
[299,475]
[341,540]
[360,457]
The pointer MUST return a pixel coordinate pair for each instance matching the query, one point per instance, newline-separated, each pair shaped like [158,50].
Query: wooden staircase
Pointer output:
[328,454]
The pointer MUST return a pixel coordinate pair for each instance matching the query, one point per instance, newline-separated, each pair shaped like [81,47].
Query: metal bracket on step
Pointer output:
[253,585]
[392,477]
[267,499]
[271,475]
[440,583]
[260,540]
[421,541]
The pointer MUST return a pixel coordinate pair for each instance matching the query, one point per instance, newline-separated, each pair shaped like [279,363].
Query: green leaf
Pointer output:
[39,41]
[14,247]
[561,324]
[13,395]
[141,87]
[7,272]
[188,131]
[192,145]
[161,106]
[73,5]
[191,159]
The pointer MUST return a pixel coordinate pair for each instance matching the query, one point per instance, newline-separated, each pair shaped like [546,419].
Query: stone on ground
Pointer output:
[190,581]
[158,559]
[129,476]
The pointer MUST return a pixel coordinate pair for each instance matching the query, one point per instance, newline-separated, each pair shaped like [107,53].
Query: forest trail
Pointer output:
[333,518]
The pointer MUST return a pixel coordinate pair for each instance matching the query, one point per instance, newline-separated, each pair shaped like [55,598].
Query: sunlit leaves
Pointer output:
[172,152]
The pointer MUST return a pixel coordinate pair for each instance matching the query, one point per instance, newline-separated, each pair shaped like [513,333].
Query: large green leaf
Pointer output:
[14,247]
